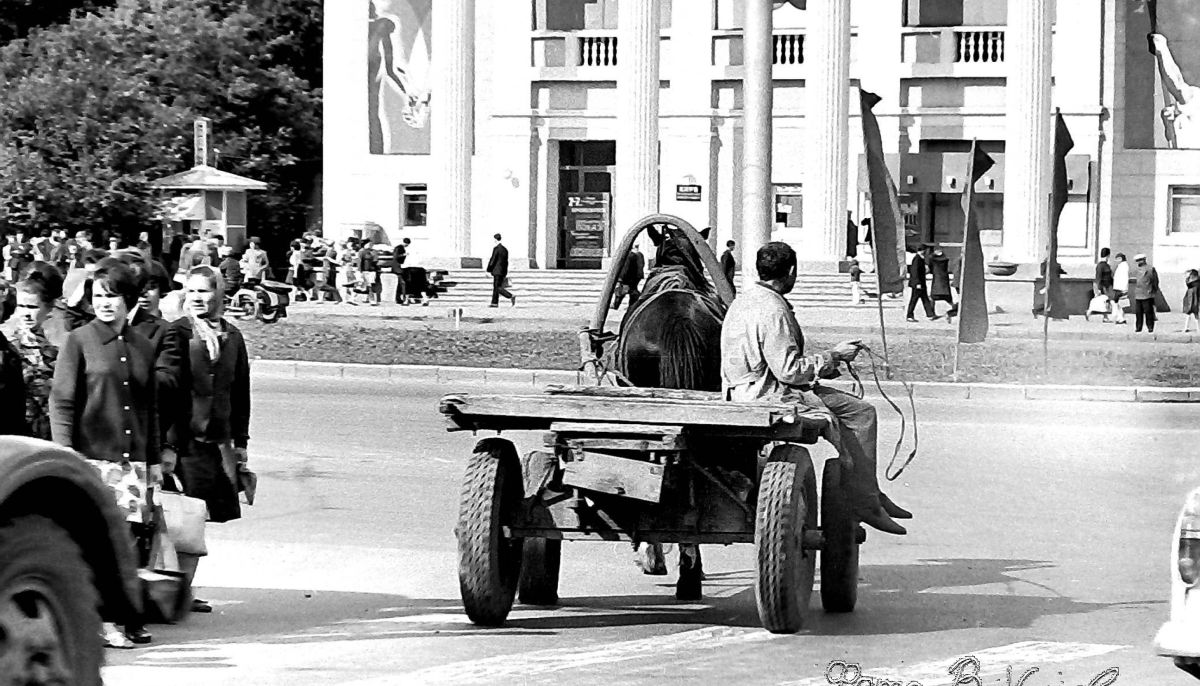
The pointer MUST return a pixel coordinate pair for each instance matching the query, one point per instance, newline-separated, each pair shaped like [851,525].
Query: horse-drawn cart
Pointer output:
[650,465]
[698,474]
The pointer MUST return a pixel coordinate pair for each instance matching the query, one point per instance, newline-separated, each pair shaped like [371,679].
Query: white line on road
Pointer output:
[508,668]
[992,662]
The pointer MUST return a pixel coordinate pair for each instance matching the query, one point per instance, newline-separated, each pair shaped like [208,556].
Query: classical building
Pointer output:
[535,119]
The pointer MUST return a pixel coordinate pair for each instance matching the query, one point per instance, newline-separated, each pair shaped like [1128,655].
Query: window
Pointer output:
[414,204]
[789,207]
[1185,209]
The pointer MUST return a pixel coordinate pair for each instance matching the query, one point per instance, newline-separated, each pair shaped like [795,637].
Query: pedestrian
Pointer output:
[12,381]
[416,281]
[497,266]
[210,416]
[103,404]
[399,254]
[1145,291]
[231,271]
[174,252]
[37,295]
[1102,283]
[1191,300]
[368,266]
[347,270]
[255,264]
[630,278]
[1120,287]
[940,289]
[295,265]
[729,264]
[855,285]
[917,286]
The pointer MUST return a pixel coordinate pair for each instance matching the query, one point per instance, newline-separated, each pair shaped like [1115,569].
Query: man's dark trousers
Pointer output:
[1143,310]
[919,293]
[498,289]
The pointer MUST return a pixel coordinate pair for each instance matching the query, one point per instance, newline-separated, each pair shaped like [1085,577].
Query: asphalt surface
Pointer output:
[1042,540]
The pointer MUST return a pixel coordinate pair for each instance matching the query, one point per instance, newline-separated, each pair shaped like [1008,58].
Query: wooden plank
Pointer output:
[614,475]
[670,443]
[634,392]
[593,428]
[630,410]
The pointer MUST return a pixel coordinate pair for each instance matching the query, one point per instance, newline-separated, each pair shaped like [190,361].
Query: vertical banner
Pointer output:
[1055,307]
[973,315]
[887,224]
[399,50]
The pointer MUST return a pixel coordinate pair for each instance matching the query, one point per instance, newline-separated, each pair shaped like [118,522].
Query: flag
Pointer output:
[972,308]
[887,224]
[1055,306]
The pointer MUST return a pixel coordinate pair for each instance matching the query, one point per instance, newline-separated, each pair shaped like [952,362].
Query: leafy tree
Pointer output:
[93,110]
[18,17]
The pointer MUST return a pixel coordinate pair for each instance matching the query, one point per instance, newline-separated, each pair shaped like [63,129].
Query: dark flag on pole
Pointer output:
[887,224]
[1055,306]
[972,309]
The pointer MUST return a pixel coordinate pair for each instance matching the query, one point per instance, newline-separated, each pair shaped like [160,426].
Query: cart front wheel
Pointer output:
[539,571]
[839,556]
[489,563]
[787,506]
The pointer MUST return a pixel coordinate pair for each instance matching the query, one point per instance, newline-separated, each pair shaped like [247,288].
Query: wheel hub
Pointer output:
[31,643]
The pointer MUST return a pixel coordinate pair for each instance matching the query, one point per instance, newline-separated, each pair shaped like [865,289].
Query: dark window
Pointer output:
[414,204]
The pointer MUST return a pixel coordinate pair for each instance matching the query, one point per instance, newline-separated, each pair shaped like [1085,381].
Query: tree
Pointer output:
[94,109]
[19,17]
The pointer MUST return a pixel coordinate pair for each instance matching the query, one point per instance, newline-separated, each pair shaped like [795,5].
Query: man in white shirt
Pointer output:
[762,357]
[1120,287]
[254,262]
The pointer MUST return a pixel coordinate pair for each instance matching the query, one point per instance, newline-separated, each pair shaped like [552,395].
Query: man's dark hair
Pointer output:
[775,260]
[1104,252]
[730,244]
[1120,256]
[116,277]
[496,236]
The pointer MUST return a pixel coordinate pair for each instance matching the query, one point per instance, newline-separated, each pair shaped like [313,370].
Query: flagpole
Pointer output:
[1046,299]
[962,256]
[887,361]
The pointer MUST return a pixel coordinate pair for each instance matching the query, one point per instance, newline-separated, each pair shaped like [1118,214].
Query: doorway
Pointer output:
[585,181]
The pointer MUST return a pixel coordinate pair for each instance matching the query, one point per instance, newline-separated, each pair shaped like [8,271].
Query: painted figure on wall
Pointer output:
[398,94]
[1181,118]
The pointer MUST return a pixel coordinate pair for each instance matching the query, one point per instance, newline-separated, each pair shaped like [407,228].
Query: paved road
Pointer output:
[1042,540]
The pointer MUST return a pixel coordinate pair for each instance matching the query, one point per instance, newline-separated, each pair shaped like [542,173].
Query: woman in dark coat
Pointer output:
[103,404]
[211,407]
[1191,301]
[939,267]
[37,295]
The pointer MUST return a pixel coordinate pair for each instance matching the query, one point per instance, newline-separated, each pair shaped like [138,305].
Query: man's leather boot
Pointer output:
[878,519]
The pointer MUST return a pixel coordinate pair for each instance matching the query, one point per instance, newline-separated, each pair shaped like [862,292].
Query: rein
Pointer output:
[859,391]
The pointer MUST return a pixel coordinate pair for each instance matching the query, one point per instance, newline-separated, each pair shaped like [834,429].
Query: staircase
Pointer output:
[563,287]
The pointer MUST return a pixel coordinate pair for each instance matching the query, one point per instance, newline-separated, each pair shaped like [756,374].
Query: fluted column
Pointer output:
[1027,152]
[452,125]
[758,201]
[827,120]
[637,112]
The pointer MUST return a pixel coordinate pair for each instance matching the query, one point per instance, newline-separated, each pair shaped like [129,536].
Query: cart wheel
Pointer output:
[489,563]
[839,557]
[539,571]
[787,505]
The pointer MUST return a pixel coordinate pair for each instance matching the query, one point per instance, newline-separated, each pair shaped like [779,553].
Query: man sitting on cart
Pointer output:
[762,357]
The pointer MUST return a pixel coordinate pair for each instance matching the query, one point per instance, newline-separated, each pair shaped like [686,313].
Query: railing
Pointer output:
[597,51]
[979,46]
[787,48]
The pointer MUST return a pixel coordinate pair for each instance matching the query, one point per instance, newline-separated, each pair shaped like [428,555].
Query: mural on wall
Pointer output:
[398,76]
[1162,74]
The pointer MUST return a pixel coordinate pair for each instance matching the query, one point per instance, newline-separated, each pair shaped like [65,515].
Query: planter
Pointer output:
[1002,268]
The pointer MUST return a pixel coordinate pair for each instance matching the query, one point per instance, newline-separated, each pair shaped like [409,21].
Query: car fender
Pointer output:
[40,477]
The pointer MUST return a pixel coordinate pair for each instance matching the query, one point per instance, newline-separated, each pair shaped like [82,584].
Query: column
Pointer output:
[452,122]
[758,201]
[826,92]
[636,185]
[1027,153]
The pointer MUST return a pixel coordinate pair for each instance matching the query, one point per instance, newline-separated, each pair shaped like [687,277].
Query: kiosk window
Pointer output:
[414,204]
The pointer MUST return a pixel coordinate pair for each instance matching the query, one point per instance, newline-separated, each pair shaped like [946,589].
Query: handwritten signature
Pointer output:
[965,671]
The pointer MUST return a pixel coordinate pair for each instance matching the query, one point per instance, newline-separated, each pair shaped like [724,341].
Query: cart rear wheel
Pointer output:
[839,556]
[787,506]
[489,563]
[539,571]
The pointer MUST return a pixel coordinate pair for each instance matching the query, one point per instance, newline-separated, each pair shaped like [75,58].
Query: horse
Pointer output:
[672,339]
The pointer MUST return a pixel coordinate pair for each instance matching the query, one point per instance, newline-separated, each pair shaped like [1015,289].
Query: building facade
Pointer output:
[547,111]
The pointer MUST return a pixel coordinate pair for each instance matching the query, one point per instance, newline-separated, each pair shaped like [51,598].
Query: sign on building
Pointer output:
[589,224]
[687,192]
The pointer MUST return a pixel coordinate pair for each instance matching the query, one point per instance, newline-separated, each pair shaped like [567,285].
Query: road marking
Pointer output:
[515,667]
[992,662]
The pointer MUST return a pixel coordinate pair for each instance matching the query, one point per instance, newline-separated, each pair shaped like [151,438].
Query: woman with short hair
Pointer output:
[37,295]
[103,404]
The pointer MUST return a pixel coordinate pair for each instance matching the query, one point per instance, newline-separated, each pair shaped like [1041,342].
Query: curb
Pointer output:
[924,390]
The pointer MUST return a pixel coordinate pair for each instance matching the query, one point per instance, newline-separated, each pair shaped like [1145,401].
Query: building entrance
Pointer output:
[585,181]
